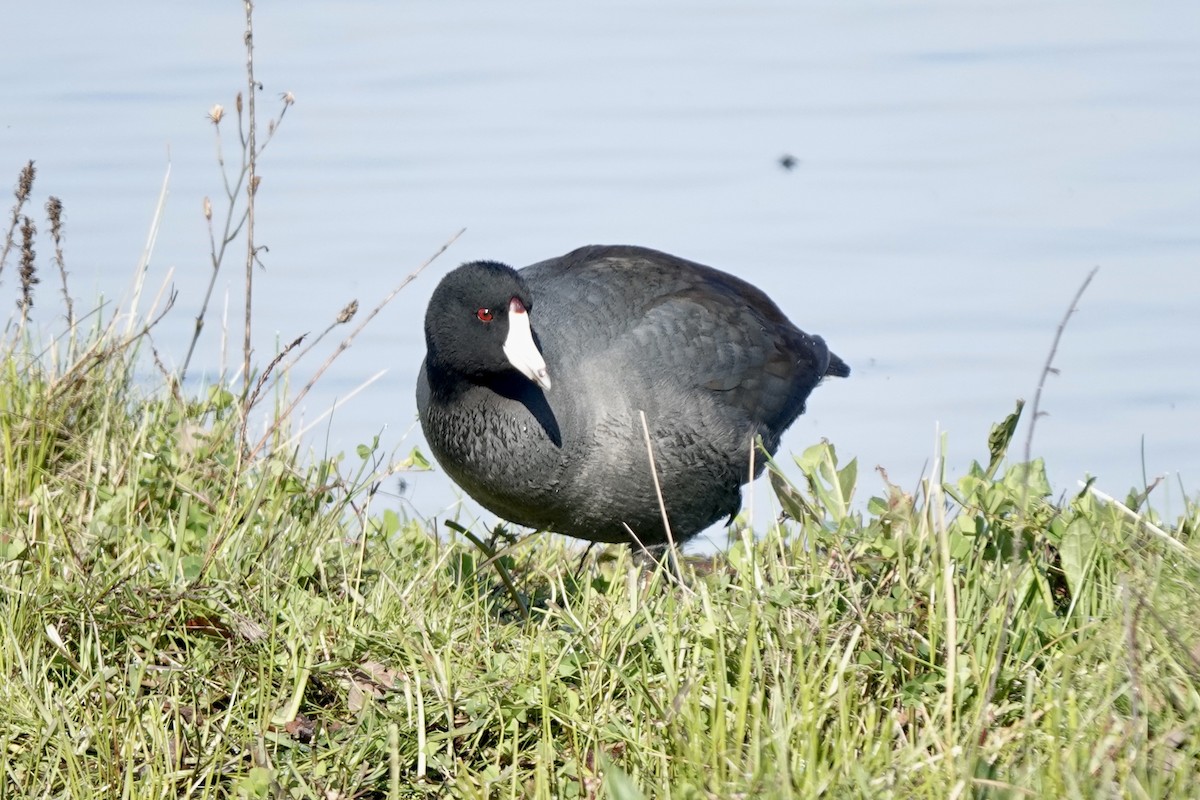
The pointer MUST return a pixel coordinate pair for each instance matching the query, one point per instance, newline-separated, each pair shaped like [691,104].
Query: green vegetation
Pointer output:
[188,611]
[185,619]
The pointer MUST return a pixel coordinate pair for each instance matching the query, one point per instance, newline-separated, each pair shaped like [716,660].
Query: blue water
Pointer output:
[959,170]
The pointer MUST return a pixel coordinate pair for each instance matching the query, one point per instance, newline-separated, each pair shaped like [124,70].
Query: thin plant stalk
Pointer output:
[139,278]
[345,345]
[233,221]
[251,189]
[28,273]
[21,193]
[1049,368]
[54,213]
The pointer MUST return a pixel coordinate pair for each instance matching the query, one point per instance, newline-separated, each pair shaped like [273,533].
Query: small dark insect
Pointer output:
[788,161]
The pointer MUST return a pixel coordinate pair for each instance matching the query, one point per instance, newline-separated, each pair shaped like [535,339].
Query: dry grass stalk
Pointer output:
[1049,368]
[143,265]
[345,315]
[28,267]
[262,381]
[345,345]
[251,192]
[22,192]
[234,222]
[54,213]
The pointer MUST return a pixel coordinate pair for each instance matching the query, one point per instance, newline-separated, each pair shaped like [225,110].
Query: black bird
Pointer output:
[533,381]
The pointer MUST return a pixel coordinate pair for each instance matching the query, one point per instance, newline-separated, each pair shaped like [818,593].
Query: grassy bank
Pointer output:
[190,609]
[185,618]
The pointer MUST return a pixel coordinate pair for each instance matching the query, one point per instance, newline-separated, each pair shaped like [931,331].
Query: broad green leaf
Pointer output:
[1078,544]
[618,785]
[1001,436]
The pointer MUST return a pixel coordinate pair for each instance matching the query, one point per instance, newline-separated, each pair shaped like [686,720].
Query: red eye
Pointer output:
[484,314]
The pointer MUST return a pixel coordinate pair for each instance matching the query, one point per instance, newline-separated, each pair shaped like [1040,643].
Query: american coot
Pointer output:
[533,380]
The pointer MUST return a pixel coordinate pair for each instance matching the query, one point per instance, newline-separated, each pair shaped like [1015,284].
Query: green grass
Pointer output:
[189,611]
[182,620]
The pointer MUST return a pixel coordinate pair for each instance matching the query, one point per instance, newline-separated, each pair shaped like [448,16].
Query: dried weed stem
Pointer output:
[1049,367]
[28,267]
[251,190]
[345,345]
[22,192]
[54,213]
[236,217]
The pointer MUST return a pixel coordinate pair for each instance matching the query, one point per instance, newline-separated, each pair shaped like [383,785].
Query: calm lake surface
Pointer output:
[959,168]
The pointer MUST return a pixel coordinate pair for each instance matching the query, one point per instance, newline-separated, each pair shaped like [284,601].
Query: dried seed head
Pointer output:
[28,230]
[238,103]
[208,209]
[25,183]
[254,184]
[28,268]
[54,210]
[216,113]
[348,312]
[288,98]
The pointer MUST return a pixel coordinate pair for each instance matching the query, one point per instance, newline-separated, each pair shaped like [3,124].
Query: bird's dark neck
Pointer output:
[448,384]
